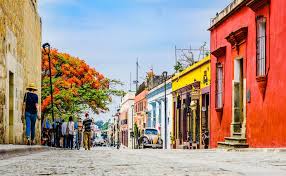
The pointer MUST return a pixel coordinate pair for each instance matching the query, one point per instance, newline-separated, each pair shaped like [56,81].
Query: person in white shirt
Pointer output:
[64,134]
[70,132]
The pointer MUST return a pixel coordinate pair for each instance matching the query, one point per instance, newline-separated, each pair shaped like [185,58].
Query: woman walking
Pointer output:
[30,112]
[70,132]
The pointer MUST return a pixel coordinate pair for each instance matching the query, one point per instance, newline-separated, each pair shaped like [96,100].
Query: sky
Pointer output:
[111,34]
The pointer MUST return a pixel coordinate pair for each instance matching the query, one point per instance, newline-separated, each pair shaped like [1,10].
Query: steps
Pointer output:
[236,141]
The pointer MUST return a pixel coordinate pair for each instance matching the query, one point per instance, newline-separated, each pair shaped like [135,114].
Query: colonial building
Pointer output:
[190,89]
[140,108]
[156,109]
[20,64]
[248,70]
[126,119]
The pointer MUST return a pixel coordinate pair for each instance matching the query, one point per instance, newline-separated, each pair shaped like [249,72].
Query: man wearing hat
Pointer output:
[31,112]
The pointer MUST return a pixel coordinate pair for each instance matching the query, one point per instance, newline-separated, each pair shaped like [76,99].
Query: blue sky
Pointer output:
[111,34]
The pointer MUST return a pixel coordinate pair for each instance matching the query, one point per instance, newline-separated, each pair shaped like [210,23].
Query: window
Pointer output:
[140,106]
[261,46]
[219,86]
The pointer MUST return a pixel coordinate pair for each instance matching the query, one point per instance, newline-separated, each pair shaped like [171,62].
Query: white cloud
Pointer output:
[111,41]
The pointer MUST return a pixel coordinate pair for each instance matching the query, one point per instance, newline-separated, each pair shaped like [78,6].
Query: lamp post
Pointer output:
[132,118]
[118,128]
[165,74]
[47,49]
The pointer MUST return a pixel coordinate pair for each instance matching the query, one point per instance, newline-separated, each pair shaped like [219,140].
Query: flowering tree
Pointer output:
[76,86]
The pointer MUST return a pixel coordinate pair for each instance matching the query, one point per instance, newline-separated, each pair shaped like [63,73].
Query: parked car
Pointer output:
[98,141]
[150,139]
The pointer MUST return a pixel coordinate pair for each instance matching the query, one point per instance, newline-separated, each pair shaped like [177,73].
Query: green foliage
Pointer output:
[99,124]
[102,125]
[178,67]
[77,87]
[136,135]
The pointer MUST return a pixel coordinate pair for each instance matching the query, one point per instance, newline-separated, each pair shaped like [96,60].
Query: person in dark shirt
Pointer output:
[30,112]
[87,122]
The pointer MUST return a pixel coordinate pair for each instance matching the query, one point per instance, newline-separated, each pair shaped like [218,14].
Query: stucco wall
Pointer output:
[193,72]
[140,117]
[126,112]
[265,124]
[155,100]
[20,54]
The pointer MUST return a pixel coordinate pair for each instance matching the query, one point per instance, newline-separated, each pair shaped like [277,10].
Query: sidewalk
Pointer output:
[8,151]
[255,150]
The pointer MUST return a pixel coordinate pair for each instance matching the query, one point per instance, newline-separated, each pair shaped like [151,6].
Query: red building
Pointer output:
[248,102]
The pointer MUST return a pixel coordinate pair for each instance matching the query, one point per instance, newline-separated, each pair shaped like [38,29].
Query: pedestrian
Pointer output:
[70,132]
[64,133]
[30,111]
[58,133]
[87,131]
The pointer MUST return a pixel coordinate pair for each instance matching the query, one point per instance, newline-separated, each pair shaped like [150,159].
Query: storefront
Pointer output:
[190,89]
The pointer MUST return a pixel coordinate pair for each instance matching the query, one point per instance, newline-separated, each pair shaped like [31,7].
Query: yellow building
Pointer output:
[191,89]
[20,64]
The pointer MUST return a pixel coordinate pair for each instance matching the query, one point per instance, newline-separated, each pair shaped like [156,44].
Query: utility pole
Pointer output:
[136,81]
[130,82]
[165,76]
[137,66]
[176,55]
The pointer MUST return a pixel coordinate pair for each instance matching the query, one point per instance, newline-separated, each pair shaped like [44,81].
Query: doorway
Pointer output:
[205,122]
[11,107]
[238,94]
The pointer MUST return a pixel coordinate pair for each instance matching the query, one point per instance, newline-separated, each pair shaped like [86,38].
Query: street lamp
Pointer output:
[132,114]
[118,128]
[165,75]
[47,49]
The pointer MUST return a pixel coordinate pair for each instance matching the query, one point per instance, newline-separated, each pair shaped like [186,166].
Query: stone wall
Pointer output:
[20,57]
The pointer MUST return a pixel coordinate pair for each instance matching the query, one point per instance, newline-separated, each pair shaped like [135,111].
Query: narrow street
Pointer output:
[107,161]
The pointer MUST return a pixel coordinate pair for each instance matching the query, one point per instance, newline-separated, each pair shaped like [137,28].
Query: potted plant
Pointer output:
[173,145]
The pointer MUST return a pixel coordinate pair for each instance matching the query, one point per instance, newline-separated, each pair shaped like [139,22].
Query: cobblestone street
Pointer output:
[106,161]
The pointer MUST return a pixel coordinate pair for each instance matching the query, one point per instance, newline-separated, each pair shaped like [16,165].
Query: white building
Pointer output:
[156,110]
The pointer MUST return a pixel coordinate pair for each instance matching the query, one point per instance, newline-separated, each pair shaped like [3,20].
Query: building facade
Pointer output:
[20,64]
[140,109]
[247,64]
[156,110]
[191,96]
[126,119]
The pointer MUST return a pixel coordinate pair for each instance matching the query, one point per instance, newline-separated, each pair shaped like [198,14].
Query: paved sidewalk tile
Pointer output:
[7,151]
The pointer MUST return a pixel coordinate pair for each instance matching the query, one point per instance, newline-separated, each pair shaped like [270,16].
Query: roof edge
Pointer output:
[226,12]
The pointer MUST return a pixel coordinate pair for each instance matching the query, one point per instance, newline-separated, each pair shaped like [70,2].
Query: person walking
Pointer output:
[64,134]
[70,132]
[87,122]
[30,112]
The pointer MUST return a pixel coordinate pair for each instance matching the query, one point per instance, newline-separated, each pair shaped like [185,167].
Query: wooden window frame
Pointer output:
[221,81]
[261,49]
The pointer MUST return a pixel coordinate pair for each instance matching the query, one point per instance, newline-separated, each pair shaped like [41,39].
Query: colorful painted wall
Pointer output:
[140,109]
[190,86]
[194,72]
[265,118]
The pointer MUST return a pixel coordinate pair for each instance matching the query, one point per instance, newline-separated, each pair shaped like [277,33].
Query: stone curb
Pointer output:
[255,150]
[273,150]
[8,153]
